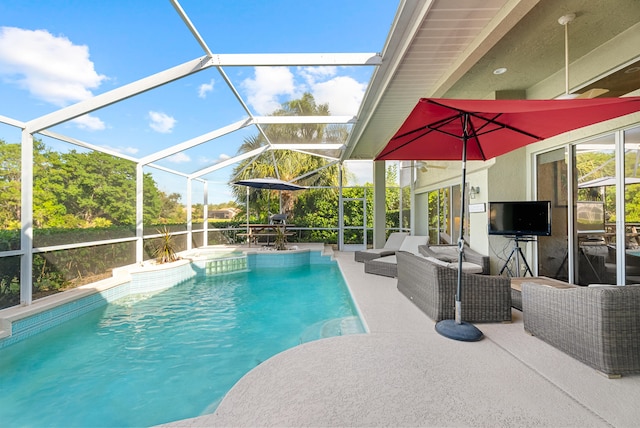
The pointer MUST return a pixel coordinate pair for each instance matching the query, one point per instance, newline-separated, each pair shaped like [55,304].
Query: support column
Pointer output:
[205,215]
[189,214]
[412,201]
[26,219]
[340,210]
[139,212]
[379,204]
[621,225]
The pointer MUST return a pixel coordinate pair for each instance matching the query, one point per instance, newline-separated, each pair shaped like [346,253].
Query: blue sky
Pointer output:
[56,53]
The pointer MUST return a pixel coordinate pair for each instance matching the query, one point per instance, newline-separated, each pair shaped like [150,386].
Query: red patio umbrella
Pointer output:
[449,129]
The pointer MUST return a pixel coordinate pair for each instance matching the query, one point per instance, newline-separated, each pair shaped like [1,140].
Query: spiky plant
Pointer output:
[281,239]
[166,251]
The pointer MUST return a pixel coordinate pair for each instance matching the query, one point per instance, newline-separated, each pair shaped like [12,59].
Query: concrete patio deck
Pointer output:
[402,373]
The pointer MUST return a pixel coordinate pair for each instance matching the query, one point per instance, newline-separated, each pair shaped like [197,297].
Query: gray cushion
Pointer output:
[446,253]
[467,267]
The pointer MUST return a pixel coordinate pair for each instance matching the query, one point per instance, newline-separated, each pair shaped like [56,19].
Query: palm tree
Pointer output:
[286,164]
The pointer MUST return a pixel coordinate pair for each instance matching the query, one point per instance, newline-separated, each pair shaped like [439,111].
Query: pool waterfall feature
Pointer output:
[226,265]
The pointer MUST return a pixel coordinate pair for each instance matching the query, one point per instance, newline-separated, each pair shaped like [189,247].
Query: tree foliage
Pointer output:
[287,165]
[80,190]
[593,165]
[77,197]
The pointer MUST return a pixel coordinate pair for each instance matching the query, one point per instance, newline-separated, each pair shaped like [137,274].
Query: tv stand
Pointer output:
[517,254]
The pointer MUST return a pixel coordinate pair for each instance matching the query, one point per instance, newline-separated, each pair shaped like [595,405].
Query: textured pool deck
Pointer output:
[402,373]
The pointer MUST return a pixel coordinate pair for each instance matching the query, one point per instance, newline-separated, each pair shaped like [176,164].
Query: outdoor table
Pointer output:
[256,231]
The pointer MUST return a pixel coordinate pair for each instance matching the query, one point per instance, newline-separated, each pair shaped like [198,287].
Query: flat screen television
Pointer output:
[520,218]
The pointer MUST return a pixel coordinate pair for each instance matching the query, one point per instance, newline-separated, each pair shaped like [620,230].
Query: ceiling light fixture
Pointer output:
[500,70]
[565,20]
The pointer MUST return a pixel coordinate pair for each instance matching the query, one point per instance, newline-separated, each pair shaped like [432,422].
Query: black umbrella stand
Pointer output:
[457,329]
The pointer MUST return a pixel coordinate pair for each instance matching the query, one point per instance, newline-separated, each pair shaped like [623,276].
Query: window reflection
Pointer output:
[594,211]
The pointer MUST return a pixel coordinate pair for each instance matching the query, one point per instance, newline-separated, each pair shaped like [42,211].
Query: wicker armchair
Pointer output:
[599,326]
[450,253]
[432,288]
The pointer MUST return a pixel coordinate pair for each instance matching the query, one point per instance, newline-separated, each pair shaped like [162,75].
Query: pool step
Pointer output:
[226,265]
[331,328]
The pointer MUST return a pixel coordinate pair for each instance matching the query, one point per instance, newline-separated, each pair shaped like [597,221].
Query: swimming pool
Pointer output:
[144,360]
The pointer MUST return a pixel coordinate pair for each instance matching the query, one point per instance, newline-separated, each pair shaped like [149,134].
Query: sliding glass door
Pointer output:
[594,187]
[552,179]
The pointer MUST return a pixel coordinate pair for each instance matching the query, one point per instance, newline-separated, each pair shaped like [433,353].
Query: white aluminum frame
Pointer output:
[42,124]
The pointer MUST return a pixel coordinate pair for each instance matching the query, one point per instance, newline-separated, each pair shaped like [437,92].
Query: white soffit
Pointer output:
[437,35]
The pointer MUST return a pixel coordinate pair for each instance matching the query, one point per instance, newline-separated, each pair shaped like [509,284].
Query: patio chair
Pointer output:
[387,265]
[432,288]
[278,219]
[445,238]
[449,253]
[390,247]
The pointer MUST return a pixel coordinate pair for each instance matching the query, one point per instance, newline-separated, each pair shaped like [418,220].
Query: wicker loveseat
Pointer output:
[599,326]
[432,288]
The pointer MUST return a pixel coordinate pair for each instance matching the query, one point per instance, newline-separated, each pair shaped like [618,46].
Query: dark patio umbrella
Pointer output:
[443,129]
[267,183]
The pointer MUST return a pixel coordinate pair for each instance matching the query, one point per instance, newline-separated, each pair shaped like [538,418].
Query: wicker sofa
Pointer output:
[432,288]
[599,326]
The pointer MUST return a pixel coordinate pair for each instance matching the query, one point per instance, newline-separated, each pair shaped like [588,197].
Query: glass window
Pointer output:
[552,186]
[594,206]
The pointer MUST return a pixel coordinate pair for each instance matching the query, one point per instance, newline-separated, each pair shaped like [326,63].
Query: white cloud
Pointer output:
[273,85]
[313,74]
[360,172]
[50,68]
[203,160]
[268,85]
[161,122]
[90,123]
[124,150]
[204,88]
[343,94]
[179,158]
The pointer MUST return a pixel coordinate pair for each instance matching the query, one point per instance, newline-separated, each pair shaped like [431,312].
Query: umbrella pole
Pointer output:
[458,314]
[457,329]
[247,212]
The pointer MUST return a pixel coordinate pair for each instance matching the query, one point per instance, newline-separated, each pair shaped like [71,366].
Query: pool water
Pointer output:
[146,360]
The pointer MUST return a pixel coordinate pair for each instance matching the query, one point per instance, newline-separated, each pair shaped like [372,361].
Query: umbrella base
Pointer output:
[464,331]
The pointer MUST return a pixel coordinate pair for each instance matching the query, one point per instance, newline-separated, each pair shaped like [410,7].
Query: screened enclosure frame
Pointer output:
[42,125]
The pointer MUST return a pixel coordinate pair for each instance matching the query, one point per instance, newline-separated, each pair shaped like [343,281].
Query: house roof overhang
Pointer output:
[450,49]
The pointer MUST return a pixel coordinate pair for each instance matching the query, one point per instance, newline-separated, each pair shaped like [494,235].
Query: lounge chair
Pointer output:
[388,265]
[390,247]
[445,238]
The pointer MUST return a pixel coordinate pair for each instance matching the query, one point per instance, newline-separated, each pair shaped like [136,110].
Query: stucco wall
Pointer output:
[506,181]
